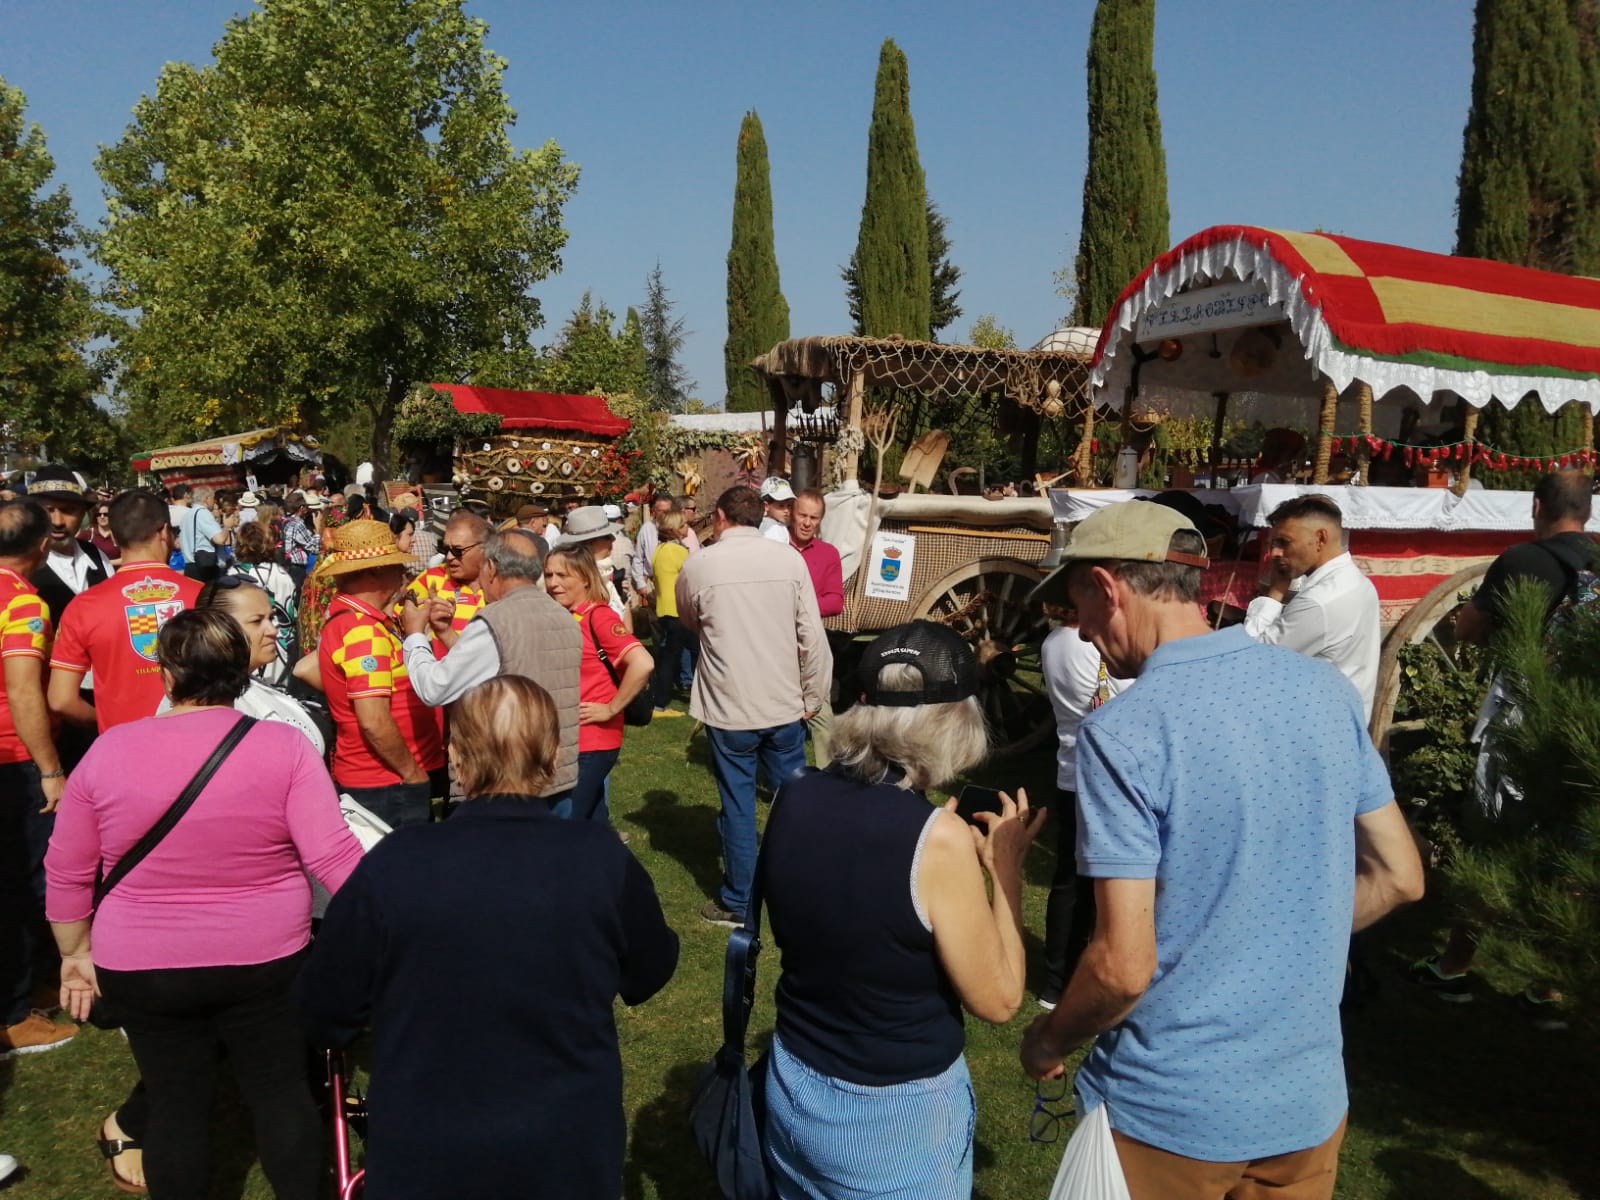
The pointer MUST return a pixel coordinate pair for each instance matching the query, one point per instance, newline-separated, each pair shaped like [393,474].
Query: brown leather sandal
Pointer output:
[112,1149]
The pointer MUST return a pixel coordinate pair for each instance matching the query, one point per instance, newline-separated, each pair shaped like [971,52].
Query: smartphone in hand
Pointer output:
[974,800]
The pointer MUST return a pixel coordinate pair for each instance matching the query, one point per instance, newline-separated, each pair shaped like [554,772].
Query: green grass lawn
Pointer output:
[1467,1103]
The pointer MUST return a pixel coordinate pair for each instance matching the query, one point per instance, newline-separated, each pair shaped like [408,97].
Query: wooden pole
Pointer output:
[1363,450]
[1330,414]
[851,464]
[1469,432]
[1083,457]
[778,457]
[1218,423]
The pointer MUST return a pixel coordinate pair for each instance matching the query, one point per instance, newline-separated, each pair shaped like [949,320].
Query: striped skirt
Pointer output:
[832,1140]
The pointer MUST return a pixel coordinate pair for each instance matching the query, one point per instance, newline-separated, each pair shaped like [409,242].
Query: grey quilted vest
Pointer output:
[538,639]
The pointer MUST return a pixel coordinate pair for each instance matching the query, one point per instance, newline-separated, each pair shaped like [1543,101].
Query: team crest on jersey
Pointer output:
[151,604]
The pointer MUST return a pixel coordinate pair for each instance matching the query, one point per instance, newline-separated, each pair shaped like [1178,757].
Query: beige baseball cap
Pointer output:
[1124,532]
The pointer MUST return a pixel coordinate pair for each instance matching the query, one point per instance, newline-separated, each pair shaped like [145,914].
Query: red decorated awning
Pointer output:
[538,410]
[1391,317]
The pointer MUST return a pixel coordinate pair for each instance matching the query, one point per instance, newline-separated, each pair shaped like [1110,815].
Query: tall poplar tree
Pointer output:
[1125,218]
[891,258]
[758,315]
[1528,187]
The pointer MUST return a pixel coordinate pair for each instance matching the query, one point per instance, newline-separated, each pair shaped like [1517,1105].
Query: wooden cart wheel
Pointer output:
[986,603]
[1430,620]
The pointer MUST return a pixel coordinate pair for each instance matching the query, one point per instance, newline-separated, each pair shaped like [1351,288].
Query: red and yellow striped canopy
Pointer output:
[1392,316]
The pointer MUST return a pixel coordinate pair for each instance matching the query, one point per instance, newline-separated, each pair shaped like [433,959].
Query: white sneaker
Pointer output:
[1047,1005]
[8,1166]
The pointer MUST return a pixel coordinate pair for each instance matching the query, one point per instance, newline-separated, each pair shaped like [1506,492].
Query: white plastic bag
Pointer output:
[1090,1168]
[368,828]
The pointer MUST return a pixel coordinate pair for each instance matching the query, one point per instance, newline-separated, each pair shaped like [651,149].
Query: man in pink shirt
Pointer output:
[827,579]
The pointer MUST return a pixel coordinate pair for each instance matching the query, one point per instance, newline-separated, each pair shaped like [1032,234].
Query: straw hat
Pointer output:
[249,500]
[360,546]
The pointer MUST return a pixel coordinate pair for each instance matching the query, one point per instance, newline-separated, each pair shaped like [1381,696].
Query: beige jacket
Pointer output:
[764,657]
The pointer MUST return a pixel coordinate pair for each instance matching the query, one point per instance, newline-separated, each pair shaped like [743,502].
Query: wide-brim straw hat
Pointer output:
[583,524]
[360,546]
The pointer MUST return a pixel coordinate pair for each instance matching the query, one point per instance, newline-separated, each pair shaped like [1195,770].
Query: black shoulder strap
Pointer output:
[164,825]
[739,970]
[600,651]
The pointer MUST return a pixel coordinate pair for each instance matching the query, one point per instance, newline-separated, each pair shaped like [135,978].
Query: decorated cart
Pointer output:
[964,560]
[261,457]
[1396,351]
[541,447]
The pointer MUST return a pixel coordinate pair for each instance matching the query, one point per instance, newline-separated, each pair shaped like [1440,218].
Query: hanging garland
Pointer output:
[1479,454]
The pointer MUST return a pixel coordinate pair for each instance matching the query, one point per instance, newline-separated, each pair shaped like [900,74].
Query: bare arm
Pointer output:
[383,738]
[978,934]
[309,671]
[30,713]
[1388,867]
[64,697]
[1110,980]
[1472,624]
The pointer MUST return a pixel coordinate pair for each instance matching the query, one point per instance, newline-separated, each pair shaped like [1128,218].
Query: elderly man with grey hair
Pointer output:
[520,631]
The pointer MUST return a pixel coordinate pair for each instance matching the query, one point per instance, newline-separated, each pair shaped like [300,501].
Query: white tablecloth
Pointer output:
[1437,509]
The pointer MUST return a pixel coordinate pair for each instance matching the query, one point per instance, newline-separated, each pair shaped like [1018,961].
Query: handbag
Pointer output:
[727,1109]
[641,708]
[101,1015]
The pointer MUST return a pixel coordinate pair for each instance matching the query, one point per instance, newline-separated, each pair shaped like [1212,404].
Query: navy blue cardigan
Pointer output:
[486,953]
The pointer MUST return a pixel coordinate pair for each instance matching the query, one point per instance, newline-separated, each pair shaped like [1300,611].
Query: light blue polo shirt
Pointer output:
[1232,776]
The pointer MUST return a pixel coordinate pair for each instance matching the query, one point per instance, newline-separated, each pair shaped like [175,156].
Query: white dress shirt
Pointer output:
[73,569]
[1333,614]
[474,659]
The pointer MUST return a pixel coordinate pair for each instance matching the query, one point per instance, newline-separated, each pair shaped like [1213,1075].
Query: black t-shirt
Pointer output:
[1553,561]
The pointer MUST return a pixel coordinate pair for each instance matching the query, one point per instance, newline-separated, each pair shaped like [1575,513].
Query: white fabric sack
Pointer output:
[1090,1168]
[369,830]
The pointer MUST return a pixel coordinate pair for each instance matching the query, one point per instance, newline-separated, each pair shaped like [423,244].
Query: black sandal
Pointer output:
[113,1148]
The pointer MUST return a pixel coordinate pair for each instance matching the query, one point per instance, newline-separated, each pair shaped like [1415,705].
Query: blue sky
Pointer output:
[1301,114]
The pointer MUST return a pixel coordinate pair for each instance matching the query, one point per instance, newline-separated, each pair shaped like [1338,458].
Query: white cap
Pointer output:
[613,512]
[776,488]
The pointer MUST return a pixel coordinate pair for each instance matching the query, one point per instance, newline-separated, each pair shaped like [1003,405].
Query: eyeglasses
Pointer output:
[458,551]
[1044,1124]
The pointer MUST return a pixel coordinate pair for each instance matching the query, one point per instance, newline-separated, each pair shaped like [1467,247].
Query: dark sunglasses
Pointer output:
[458,551]
[1044,1123]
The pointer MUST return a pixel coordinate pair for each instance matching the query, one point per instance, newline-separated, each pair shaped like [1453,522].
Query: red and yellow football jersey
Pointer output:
[111,630]
[435,583]
[24,633]
[361,656]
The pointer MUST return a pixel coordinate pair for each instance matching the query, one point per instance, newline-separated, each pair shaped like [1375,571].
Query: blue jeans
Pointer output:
[587,800]
[397,803]
[735,753]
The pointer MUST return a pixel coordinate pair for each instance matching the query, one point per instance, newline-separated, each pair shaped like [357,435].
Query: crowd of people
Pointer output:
[289,666]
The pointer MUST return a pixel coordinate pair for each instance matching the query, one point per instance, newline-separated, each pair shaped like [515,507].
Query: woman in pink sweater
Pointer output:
[199,944]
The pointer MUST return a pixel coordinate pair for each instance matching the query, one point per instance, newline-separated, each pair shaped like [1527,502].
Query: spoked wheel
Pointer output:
[1430,623]
[986,603]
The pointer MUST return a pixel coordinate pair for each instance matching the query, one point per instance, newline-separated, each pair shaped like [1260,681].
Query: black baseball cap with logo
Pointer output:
[948,667]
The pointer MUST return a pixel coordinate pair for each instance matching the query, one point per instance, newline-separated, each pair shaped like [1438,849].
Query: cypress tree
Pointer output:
[1125,188]
[758,315]
[1528,188]
[943,275]
[891,257]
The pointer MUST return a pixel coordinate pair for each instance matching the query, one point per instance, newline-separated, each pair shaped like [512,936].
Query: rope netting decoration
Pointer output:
[1051,382]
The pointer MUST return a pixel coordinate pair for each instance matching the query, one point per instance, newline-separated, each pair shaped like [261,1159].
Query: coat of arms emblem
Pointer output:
[151,604]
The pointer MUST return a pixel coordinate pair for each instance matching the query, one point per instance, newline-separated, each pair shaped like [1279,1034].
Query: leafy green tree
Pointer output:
[47,319]
[1125,218]
[592,356]
[943,275]
[891,260]
[663,336]
[758,315]
[1532,881]
[330,211]
[988,333]
[1528,187]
